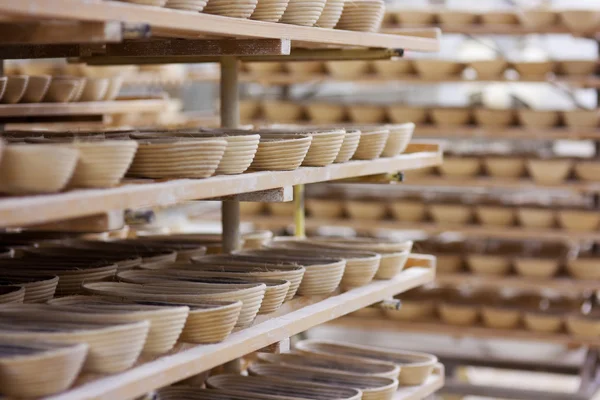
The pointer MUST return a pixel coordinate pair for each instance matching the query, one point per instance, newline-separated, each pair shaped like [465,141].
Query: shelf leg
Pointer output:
[230,118]
[299,230]
[230,209]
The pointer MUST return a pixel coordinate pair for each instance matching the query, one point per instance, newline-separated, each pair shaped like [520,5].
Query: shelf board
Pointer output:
[498,183]
[591,82]
[560,284]
[438,327]
[477,132]
[186,24]
[83,108]
[431,385]
[53,32]
[481,29]
[369,226]
[293,317]
[19,211]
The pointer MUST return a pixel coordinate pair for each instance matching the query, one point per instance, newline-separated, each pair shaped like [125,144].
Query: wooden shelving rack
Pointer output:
[559,284]
[587,388]
[181,37]
[85,111]
[294,317]
[481,28]
[181,24]
[278,79]
[146,193]
[366,226]
[437,327]
[588,372]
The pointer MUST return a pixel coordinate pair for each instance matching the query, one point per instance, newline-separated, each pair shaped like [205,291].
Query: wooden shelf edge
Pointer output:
[460,389]
[293,317]
[563,285]
[438,327]
[85,108]
[433,383]
[481,29]
[290,79]
[498,183]
[430,131]
[19,211]
[365,225]
[189,24]
[515,133]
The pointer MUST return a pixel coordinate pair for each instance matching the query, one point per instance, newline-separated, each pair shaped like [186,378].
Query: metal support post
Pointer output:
[299,211]
[230,118]
[230,209]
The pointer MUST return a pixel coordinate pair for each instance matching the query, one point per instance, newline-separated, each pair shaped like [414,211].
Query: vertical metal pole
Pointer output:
[230,209]
[230,118]
[300,230]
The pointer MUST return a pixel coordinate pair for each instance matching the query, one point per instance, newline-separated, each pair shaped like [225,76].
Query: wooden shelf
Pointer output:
[293,317]
[438,327]
[369,226]
[498,183]
[58,32]
[481,29]
[560,284]
[84,108]
[431,385]
[185,24]
[476,132]
[591,82]
[19,211]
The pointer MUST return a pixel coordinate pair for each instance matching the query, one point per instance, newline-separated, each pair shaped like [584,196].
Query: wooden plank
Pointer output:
[425,32]
[438,327]
[16,211]
[479,29]
[283,78]
[189,24]
[60,32]
[476,132]
[517,133]
[108,221]
[11,52]
[456,387]
[369,226]
[276,195]
[293,317]
[432,384]
[83,108]
[563,284]
[498,183]
[373,79]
